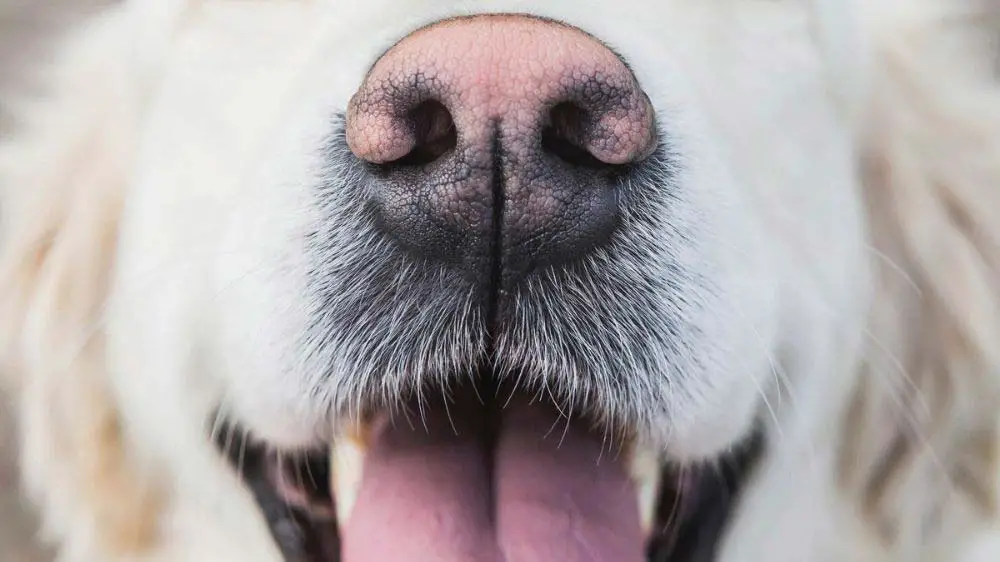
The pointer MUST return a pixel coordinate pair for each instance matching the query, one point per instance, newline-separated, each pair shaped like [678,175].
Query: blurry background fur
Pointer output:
[27,31]
[24,27]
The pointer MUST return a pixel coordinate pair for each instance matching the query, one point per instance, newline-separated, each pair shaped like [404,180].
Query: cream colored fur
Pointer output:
[889,452]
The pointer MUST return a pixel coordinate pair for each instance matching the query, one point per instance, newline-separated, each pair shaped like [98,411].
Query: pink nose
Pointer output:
[500,138]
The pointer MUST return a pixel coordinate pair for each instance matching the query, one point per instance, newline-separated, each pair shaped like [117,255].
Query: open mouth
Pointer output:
[488,475]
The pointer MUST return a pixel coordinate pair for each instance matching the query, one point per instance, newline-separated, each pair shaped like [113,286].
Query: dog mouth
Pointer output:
[481,474]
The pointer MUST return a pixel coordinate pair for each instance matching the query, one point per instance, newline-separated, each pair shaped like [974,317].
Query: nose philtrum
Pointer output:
[494,137]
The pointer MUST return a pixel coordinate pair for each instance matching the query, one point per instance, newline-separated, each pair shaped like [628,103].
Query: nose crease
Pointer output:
[518,156]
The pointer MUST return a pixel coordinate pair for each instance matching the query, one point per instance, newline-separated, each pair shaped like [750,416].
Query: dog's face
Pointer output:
[486,220]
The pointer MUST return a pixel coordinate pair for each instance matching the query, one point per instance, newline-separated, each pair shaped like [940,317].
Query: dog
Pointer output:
[505,280]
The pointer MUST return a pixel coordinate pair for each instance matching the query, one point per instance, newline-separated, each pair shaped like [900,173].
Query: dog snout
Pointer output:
[499,139]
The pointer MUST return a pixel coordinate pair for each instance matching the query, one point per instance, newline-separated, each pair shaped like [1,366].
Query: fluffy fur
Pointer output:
[824,255]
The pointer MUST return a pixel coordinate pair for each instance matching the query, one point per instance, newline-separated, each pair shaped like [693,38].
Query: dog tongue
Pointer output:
[537,490]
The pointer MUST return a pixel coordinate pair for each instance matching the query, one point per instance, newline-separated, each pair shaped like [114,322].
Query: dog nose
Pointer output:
[498,142]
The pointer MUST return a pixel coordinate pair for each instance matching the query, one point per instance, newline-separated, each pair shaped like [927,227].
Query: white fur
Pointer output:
[192,131]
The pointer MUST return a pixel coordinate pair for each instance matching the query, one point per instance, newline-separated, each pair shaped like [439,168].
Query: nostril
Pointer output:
[434,133]
[564,136]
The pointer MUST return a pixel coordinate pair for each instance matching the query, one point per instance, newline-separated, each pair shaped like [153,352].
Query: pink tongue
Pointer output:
[545,492]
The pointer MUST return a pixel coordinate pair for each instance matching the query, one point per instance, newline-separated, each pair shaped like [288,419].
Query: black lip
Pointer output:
[692,527]
[301,536]
[696,531]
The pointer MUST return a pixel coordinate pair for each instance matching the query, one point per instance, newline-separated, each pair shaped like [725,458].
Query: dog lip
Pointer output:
[292,493]
[695,506]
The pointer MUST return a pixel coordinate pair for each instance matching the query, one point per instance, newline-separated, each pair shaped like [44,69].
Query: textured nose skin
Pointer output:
[496,141]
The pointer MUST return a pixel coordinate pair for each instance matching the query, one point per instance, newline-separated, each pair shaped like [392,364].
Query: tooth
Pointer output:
[347,458]
[646,474]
